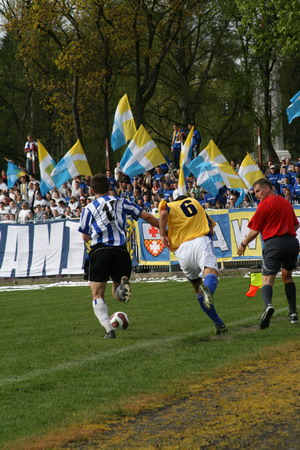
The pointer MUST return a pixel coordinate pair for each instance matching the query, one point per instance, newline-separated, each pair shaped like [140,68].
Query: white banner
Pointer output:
[41,249]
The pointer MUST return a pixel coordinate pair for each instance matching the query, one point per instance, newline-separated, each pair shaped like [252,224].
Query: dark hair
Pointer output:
[263,182]
[100,184]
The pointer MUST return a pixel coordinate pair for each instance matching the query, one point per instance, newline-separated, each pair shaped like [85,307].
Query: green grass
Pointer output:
[57,370]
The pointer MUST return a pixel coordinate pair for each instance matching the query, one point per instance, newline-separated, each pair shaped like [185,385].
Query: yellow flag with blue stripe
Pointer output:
[124,125]
[141,155]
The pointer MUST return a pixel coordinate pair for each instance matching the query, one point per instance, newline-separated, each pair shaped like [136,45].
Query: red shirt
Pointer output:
[274,217]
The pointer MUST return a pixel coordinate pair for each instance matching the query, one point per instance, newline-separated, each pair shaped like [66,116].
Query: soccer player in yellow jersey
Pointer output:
[186,229]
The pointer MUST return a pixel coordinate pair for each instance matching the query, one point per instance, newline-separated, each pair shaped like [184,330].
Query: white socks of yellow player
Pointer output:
[101,312]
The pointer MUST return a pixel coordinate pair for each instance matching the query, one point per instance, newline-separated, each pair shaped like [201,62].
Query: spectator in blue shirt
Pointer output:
[273,177]
[112,181]
[168,192]
[286,184]
[296,189]
[196,140]
[158,174]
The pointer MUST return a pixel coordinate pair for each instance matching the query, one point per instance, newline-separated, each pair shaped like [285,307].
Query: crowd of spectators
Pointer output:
[24,202]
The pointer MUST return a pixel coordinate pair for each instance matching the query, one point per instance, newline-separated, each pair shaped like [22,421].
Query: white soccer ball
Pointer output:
[119,320]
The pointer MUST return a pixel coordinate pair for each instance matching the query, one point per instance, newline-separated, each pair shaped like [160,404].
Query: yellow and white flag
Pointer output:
[249,171]
[47,165]
[124,125]
[141,155]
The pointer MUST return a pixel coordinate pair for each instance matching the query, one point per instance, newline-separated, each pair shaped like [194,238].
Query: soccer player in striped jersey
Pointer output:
[103,222]
[186,229]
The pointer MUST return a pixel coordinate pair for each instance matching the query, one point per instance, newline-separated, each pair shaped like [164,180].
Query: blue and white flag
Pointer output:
[141,154]
[207,174]
[217,171]
[293,110]
[73,163]
[124,125]
[185,159]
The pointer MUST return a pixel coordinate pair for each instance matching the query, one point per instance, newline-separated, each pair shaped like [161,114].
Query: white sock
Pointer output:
[101,312]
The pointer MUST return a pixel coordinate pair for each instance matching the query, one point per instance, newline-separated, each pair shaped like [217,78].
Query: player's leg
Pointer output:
[271,266]
[120,274]
[100,307]
[289,263]
[188,258]
[290,292]
[98,276]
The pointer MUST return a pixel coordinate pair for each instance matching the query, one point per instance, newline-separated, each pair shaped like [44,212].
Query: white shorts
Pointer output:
[193,256]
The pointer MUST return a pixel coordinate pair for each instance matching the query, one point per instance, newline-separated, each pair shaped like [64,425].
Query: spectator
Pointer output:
[177,141]
[3,185]
[31,154]
[112,181]
[159,175]
[117,171]
[38,212]
[39,200]
[196,141]
[23,214]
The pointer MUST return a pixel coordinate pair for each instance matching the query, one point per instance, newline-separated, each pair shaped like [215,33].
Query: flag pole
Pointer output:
[107,154]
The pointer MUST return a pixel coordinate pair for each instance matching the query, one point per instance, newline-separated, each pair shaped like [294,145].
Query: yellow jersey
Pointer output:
[187,220]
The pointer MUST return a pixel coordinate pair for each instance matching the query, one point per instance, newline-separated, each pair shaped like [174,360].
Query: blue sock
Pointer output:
[211,281]
[212,313]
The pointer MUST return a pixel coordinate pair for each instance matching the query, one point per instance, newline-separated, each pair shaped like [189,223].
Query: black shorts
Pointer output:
[109,262]
[280,252]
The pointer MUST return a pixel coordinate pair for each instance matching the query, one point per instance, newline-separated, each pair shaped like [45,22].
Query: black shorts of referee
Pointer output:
[280,252]
[107,262]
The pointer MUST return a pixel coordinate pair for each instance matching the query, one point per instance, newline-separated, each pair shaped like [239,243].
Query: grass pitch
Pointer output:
[57,370]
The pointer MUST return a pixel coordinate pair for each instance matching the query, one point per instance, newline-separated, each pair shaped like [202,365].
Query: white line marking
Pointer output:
[139,346]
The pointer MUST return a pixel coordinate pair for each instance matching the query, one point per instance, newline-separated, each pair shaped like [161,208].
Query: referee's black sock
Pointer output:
[267,294]
[290,292]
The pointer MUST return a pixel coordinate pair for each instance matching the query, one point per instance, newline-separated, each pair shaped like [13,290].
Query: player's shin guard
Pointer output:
[211,281]
[101,312]
[212,313]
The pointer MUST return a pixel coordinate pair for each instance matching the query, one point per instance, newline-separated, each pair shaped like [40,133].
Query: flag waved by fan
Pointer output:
[13,173]
[47,165]
[141,155]
[213,171]
[124,125]
[72,164]
[293,110]
[185,159]
[249,171]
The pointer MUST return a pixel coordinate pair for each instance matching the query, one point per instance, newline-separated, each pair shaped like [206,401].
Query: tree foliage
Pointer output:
[65,65]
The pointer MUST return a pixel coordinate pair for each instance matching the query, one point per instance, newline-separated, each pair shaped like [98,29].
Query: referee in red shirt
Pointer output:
[275,219]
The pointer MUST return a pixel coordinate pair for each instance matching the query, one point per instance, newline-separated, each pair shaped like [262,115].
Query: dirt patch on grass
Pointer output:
[255,405]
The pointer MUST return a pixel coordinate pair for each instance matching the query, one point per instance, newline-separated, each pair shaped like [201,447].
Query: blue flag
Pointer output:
[13,174]
[293,110]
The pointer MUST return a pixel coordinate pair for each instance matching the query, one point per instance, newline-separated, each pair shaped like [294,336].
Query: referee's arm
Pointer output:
[250,236]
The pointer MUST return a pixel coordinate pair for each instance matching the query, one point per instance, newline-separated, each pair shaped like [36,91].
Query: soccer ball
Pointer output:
[119,320]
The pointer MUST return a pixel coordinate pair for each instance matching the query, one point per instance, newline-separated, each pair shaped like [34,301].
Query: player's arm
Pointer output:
[250,237]
[86,237]
[163,222]
[149,218]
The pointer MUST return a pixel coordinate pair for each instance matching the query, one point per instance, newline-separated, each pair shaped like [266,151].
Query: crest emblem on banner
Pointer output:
[152,240]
